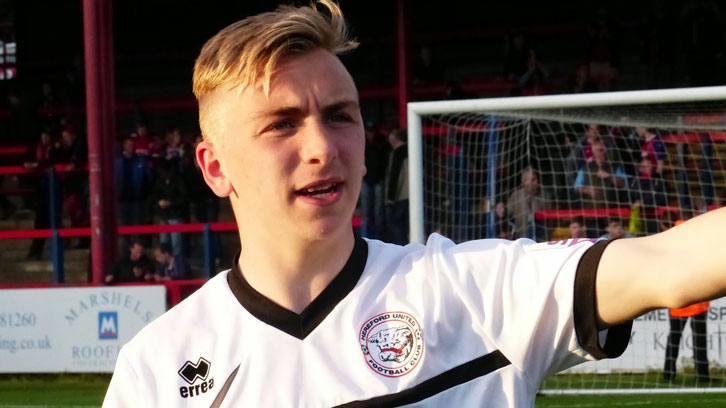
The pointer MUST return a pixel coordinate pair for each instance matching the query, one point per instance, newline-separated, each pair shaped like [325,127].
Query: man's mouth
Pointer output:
[321,190]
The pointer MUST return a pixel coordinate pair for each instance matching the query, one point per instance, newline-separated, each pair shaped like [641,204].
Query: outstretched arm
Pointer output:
[676,268]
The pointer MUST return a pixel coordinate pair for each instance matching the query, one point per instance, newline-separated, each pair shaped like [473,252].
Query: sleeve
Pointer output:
[660,150]
[123,390]
[536,302]
[579,180]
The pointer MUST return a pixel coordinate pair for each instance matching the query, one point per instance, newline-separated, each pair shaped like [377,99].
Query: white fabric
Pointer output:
[470,300]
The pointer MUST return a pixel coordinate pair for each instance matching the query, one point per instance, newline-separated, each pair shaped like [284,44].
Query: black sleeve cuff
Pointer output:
[585,313]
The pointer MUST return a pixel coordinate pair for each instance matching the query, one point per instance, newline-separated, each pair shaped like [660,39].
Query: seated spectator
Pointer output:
[525,201]
[652,148]
[176,151]
[134,267]
[578,229]
[133,178]
[169,266]
[615,230]
[600,183]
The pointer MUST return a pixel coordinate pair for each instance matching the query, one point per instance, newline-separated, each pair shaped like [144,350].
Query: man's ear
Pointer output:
[208,159]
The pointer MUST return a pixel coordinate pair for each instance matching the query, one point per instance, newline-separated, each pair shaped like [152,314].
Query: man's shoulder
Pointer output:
[182,320]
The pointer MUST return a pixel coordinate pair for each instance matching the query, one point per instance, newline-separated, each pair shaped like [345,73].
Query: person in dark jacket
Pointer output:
[134,267]
[170,199]
[133,178]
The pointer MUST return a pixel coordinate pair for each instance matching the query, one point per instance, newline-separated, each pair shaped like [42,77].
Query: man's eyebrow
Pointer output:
[336,106]
[277,112]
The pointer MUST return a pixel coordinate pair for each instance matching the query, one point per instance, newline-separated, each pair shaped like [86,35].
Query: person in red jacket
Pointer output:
[678,318]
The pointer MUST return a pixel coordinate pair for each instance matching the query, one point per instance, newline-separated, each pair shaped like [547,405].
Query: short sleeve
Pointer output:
[535,302]
[123,389]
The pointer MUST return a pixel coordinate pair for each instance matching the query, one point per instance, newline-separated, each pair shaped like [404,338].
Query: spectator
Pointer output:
[535,80]
[516,56]
[133,175]
[170,200]
[371,196]
[525,201]
[506,228]
[652,147]
[73,153]
[396,188]
[147,145]
[175,151]
[580,82]
[648,188]
[426,69]
[134,267]
[600,183]
[40,157]
[615,230]
[169,266]
[678,319]
[578,229]
[604,50]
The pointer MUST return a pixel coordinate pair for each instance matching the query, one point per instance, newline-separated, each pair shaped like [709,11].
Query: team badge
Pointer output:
[392,343]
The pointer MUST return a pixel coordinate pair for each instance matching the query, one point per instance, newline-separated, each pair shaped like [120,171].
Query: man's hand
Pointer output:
[602,174]
[164,203]
[588,191]
[138,272]
[108,279]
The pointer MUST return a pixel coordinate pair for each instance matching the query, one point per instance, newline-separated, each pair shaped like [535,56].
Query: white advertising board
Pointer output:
[649,338]
[72,329]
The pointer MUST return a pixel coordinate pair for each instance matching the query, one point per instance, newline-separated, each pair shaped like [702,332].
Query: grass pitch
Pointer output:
[87,390]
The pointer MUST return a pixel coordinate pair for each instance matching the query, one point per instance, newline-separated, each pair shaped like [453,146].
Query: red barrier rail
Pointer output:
[130,230]
[604,213]
[60,168]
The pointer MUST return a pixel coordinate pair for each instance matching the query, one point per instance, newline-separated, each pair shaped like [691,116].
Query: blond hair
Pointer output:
[250,49]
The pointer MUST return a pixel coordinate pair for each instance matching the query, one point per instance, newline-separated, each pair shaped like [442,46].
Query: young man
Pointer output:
[311,316]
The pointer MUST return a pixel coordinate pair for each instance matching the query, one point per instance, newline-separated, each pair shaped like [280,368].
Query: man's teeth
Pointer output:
[319,189]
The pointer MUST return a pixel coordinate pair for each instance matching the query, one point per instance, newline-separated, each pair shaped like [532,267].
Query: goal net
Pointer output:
[583,166]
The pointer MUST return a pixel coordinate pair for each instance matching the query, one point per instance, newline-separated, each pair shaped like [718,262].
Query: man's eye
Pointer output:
[340,117]
[281,125]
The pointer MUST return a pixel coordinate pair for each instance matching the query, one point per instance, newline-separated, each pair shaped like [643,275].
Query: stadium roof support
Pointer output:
[101,121]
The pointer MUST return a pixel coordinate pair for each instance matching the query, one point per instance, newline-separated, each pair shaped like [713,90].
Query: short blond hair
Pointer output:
[249,50]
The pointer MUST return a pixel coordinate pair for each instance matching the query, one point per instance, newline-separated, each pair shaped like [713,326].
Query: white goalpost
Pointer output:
[601,164]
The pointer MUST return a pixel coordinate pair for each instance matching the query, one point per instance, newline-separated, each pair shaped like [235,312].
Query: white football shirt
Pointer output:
[476,324]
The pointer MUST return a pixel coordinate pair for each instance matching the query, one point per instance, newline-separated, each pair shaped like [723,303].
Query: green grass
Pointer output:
[87,390]
[53,390]
[624,380]
[633,401]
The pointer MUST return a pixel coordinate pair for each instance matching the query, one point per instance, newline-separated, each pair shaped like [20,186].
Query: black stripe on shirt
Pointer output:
[586,315]
[448,379]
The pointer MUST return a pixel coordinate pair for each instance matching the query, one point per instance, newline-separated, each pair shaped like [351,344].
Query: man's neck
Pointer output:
[292,274]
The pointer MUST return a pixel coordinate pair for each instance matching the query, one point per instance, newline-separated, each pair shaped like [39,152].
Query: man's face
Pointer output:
[129,147]
[592,131]
[577,230]
[135,252]
[68,137]
[615,229]
[295,157]
[161,257]
[530,181]
[599,151]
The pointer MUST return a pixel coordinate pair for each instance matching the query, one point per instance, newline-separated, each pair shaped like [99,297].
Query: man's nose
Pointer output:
[318,144]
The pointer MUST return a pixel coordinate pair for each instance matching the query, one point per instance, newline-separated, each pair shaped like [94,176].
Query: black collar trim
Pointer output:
[300,325]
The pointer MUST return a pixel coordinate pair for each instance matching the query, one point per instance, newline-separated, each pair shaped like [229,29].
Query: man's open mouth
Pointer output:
[320,190]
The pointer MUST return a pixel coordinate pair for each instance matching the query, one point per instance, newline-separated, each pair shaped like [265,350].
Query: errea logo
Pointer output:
[191,372]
